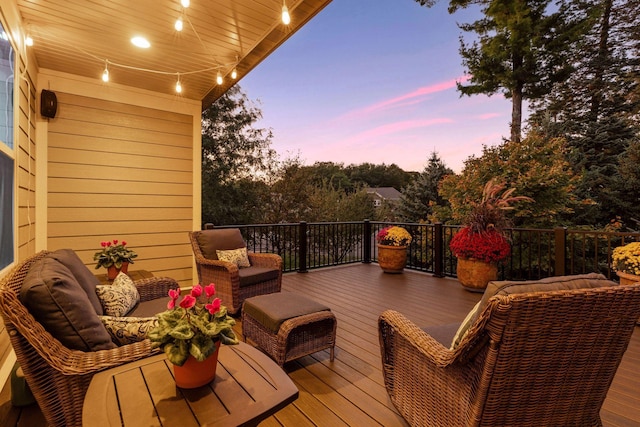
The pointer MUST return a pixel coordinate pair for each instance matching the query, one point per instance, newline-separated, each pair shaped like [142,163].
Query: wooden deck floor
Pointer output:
[350,391]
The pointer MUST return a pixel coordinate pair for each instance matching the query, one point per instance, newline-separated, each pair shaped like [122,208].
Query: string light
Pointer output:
[234,73]
[105,73]
[179,25]
[286,18]
[144,43]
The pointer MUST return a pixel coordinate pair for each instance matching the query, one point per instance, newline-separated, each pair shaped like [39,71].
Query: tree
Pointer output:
[418,197]
[596,108]
[536,167]
[519,51]
[235,156]
[383,175]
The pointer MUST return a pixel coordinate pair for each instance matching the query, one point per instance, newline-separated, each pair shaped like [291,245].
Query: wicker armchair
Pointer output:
[57,376]
[234,284]
[530,359]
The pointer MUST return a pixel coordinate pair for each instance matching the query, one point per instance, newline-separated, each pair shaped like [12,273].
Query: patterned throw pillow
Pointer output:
[128,330]
[237,256]
[118,298]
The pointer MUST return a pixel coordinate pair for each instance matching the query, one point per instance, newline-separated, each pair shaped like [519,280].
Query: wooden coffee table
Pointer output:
[248,388]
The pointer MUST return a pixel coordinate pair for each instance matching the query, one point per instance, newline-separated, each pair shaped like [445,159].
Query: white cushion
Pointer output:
[120,297]
[237,256]
[128,330]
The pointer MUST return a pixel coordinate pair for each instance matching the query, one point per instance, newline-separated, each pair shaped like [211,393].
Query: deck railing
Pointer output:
[536,253]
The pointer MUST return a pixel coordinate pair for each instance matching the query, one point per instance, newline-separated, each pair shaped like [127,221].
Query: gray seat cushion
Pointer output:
[272,310]
[253,275]
[56,300]
[149,308]
[443,333]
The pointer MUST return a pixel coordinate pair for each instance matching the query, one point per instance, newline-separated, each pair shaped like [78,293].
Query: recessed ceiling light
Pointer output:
[141,42]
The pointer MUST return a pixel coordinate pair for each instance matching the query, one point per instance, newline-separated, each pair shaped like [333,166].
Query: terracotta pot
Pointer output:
[627,279]
[392,259]
[474,275]
[194,374]
[113,271]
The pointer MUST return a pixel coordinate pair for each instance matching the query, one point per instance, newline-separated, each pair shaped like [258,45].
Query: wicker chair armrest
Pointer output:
[420,375]
[414,336]
[216,264]
[155,287]
[63,359]
[74,362]
[265,260]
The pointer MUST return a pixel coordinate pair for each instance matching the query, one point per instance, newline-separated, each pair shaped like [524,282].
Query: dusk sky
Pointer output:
[374,82]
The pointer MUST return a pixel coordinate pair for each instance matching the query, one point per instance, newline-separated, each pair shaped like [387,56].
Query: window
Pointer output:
[7,152]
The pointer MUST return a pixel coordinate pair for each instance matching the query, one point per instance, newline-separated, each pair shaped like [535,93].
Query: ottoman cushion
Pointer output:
[272,310]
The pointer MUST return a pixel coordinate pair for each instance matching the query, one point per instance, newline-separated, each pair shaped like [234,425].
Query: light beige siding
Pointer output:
[26,162]
[119,171]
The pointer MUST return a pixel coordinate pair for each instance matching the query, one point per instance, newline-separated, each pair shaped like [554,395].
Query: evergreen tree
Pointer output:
[519,51]
[596,108]
[418,197]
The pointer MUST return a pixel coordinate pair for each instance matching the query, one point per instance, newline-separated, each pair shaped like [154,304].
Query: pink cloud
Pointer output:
[408,98]
[488,116]
[396,127]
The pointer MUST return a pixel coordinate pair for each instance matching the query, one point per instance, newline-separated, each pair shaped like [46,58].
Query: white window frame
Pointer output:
[11,153]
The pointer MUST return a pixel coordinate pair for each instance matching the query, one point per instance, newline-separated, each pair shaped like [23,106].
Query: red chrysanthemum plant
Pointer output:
[193,326]
[482,236]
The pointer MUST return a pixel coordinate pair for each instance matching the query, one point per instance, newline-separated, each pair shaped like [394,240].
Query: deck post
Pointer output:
[366,238]
[302,244]
[560,247]
[438,250]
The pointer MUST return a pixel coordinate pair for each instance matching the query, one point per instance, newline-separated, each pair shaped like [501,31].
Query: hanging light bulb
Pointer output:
[219,78]
[105,73]
[178,85]
[234,73]
[185,3]
[179,24]
[286,18]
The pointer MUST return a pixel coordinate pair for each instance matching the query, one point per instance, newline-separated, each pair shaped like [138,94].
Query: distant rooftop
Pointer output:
[385,193]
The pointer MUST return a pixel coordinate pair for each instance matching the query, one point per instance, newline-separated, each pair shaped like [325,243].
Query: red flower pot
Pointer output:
[195,374]
[113,271]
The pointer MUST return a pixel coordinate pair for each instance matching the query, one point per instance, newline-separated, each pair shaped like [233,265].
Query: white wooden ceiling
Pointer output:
[79,36]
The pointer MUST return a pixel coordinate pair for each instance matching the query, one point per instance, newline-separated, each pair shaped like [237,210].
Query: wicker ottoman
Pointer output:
[288,326]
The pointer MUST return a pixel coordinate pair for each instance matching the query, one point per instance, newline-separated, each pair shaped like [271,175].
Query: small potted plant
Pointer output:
[392,248]
[626,262]
[190,333]
[115,256]
[481,243]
